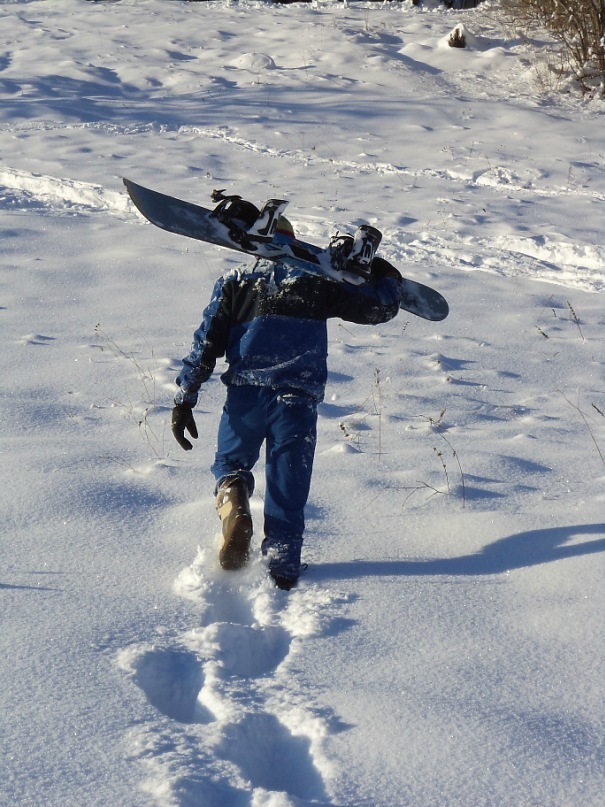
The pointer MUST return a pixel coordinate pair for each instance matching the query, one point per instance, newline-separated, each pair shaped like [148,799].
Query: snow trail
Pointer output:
[229,691]
[554,261]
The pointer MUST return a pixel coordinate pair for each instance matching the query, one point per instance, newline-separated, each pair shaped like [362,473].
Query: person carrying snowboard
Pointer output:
[270,322]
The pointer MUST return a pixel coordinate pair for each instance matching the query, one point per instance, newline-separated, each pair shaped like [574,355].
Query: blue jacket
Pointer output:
[270,323]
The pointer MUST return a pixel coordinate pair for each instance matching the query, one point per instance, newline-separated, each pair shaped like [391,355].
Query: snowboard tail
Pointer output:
[239,225]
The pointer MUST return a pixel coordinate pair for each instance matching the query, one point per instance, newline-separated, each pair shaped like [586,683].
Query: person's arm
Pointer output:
[209,344]
[372,302]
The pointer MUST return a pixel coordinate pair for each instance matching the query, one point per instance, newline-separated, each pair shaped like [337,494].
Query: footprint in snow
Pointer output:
[229,694]
[171,679]
[269,756]
[247,651]
[36,339]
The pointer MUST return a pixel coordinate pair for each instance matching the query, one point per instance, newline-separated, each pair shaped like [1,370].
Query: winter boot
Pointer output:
[285,583]
[233,506]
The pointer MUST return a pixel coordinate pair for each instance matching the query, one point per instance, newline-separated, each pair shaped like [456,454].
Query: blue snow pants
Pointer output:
[286,421]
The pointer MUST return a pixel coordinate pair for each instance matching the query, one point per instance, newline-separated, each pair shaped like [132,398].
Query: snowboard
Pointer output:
[237,224]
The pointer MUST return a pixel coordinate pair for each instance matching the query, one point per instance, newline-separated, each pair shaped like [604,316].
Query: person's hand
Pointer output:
[382,269]
[182,418]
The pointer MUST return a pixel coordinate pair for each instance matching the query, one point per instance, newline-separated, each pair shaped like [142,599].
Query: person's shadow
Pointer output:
[516,551]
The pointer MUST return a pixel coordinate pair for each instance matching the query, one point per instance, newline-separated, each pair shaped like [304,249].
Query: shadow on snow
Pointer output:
[518,551]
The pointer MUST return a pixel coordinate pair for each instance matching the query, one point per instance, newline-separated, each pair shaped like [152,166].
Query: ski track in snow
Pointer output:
[234,721]
[556,261]
[496,178]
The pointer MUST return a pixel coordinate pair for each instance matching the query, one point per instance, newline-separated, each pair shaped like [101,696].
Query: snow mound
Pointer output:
[255,62]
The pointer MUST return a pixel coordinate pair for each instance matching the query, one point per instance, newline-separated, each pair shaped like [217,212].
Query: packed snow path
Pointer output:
[231,685]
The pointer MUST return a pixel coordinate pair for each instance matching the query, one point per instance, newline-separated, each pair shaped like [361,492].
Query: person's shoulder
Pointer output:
[244,272]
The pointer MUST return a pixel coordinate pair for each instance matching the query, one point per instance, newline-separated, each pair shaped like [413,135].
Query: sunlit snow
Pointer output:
[445,646]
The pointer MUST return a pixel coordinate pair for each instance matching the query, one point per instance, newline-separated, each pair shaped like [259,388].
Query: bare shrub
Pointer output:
[577,25]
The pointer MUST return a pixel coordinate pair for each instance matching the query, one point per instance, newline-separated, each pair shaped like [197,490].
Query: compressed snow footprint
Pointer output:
[248,652]
[271,757]
[171,679]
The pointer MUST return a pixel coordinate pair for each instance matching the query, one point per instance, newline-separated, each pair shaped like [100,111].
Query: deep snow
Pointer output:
[445,646]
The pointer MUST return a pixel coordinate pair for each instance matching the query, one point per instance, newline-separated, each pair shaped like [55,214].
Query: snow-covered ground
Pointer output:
[445,646]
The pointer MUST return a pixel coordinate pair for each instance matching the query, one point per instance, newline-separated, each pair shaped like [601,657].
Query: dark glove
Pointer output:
[382,269]
[182,418]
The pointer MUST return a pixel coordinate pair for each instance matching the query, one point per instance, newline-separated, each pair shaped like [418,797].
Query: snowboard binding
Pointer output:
[247,224]
[354,254]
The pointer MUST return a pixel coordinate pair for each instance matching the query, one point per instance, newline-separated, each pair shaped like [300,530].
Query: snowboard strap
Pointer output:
[247,225]
[354,254]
